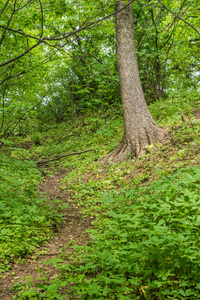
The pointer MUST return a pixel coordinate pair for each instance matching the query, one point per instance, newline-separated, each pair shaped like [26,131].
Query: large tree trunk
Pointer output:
[140,129]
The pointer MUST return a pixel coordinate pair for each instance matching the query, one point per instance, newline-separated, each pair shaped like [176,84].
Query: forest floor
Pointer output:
[72,229]
[83,185]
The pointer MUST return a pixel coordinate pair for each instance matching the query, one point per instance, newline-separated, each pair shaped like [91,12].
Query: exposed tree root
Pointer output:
[134,146]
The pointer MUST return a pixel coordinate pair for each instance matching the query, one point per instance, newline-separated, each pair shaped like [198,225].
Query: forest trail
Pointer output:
[72,229]
[99,182]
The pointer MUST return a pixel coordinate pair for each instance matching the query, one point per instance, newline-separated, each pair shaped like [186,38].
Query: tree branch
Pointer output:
[179,17]
[65,155]
[10,19]
[3,104]
[21,55]
[53,38]
[42,21]
[5,134]
[59,157]
[13,76]
[4,7]
[23,5]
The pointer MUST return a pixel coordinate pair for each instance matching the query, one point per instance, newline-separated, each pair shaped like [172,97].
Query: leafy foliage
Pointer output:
[67,73]
[145,241]
[25,219]
[145,246]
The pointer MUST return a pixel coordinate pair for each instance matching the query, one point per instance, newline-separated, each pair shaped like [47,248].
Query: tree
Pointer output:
[140,129]
[39,39]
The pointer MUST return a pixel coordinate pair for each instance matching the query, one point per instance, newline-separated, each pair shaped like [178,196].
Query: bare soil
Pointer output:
[72,229]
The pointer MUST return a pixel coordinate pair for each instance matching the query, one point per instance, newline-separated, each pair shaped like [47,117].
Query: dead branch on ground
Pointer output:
[39,163]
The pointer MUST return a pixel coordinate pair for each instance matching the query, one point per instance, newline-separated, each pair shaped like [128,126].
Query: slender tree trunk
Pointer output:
[72,98]
[140,129]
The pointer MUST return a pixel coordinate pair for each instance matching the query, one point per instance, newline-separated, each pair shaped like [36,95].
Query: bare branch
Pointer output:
[3,104]
[65,155]
[12,14]
[42,16]
[11,77]
[5,134]
[183,119]
[29,53]
[163,5]
[4,7]
[57,158]
[23,5]
[88,26]
[19,56]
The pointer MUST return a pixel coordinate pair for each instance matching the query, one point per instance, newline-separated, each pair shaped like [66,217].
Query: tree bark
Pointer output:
[140,129]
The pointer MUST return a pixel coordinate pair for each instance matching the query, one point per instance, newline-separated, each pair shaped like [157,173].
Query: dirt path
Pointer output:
[73,228]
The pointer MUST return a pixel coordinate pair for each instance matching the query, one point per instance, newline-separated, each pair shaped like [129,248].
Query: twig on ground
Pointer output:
[64,155]
[183,119]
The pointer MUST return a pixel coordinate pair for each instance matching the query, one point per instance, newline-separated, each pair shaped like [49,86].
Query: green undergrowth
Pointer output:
[26,220]
[144,245]
[167,112]
[102,133]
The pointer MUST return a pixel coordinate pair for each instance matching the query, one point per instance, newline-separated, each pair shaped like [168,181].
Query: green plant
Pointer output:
[145,245]
[26,290]
[26,220]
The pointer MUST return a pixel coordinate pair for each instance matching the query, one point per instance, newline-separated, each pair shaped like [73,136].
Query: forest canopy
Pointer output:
[58,58]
